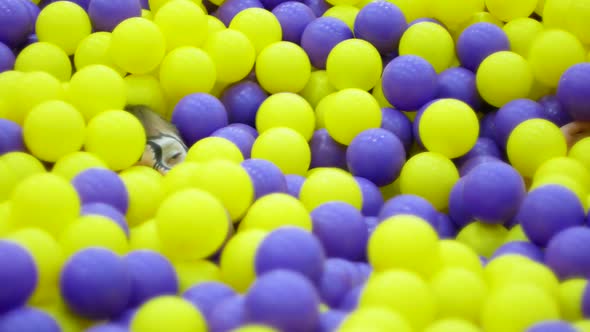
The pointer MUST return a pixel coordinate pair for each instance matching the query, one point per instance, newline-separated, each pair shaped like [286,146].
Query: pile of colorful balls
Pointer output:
[318,165]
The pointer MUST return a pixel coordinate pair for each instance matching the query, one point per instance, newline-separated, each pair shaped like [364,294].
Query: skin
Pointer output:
[575,131]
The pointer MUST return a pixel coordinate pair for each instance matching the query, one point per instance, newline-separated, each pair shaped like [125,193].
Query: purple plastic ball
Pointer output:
[493,192]
[294,17]
[478,41]
[325,151]
[371,223]
[382,24]
[567,254]
[99,185]
[331,320]
[351,299]
[34,11]
[151,275]
[27,319]
[106,210]
[552,326]
[228,314]
[409,204]
[336,282]
[11,137]
[335,221]
[105,15]
[483,147]
[377,155]
[16,23]
[586,301]
[205,296]
[554,112]
[409,82]
[294,184]
[291,248]
[487,126]
[242,100]
[457,209]
[230,8]
[398,124]
[82,3]
[372,197]
[251,130]
[548,210]
[416,122]
[266,177]
[239,136]
[459,83]
[96,283]
[125,318]
[19,276]
[512,114]
[522,248]
[107,328]
[285,300]
[445,227]
[320,36]
[573,91]
[197,116]
[7,58]
[467,166]
[318,7]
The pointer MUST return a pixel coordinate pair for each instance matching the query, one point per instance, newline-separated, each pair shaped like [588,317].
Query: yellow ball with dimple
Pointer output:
[259,25]
[187,70]
[168,313]
[483,238]
[94,50]
[317,87]
[276,210]
[93,231]
[346,13]
[237,259]
[272,145]
[63,23]
[42,56]
[183,23]
[73,163]
[287,110]
[521,32]
[214,148]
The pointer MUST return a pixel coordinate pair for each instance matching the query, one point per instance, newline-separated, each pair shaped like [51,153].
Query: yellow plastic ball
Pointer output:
[521,32]
[459,293]
[116,137]
[503,77]
[403,292]
[45,201]
[147,14]
[276,210]
[8,89]
[145,236]
[214,25]
[54,129]
[317,87]
[507,10]
[168,313]
[97,88]
[350,112]
[581,152]
[454,254]
[214,148]
[30,90]
[377,92]
[431,176]
[568,15]
[565,166]
[272,145]
[430,41]
[145,90]
[571,293]
[321,108]
[145,195]
[549,62]
[345,2]
[93,231]
[455,12]
[187,70]
[259,25]
[373,320]
[283,67]
[45,57]
[14,168]
[404,242]
[287,110]
[346,13]
[181,176]
[192,224]
[514,308]
[5,222]
[516,234]
[532,143]
[582,325]
[70,165]
[183,23]
[439,128]
[191,273]
[63,23]
[233,54]
[565,181]
[137,45]
[48,257]
[413,9]
[94,50]
[483,238]
[237,259]
[452,325]
[330,184]
[254,328]
[354,63]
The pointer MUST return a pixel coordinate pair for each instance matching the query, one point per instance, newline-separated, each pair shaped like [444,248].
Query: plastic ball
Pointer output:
[237,259]
[118,146]
[478,41]
[266,177]
[345,13]
[294,183]
[241,137]
[330,184]
[331,320]
[31,89]
[186,70]
[372,197]
[183,23]
[286,110]
[452,13]
[107,327]
[64,24]
[224,48]
[484,147]
[228,314]
[571,91]
[152,275]
[94,50]
[409,82]
[242,101]
[508,11]
[183,234]
[398,123]
[288,59]
[145,194]
[337,280]
[452,325]
[564,253]
[191,273]
[137,45]
[409,205]
[511,115]
[354,63]
[567,16]
[28,319]
[23,276]
[296,309]
[571,297]
[317,88]
[382,24]
[276,210]
[7,58]
[532,143]
[554,111]
[230,8]
[553,326]
[16,23]
[459,83]
[260,26]
[430,41]
[72,164]
[93,231]
[197,116]
[522,248]
[102,186]
[205,296]
[521,32]
[47,57]
[321,36]
[293,17]
[271,144]
[108,211]
[483,238]
[106,15]
[579,152]
[460,293]
[503,77]
[168,312]
[375,319]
